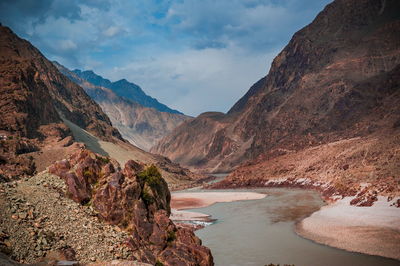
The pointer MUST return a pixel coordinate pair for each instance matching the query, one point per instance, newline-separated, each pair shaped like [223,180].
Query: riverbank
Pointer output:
[373,230]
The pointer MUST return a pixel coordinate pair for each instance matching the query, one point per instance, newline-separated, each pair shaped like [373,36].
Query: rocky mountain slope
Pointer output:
[336,79]
[141,126]
[34,99]
[125,89]
[34,93]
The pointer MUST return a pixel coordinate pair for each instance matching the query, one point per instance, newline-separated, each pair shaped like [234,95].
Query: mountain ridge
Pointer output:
[314,84]
[142,126]
[126,89]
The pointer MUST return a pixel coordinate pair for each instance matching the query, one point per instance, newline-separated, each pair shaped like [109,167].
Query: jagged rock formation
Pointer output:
[137,200]
[337,78]
[141,126]
[126,89]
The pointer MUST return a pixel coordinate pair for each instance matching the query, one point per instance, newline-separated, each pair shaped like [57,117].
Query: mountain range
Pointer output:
[44,113]
[125,104]
[126,89]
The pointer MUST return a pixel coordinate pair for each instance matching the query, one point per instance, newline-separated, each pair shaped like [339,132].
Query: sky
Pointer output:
[193,55]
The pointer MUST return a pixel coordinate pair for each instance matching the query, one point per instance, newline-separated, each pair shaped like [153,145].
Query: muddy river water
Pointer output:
[259,232]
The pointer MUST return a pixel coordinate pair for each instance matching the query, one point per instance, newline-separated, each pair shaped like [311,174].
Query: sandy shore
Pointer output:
[192,200]
[372,230]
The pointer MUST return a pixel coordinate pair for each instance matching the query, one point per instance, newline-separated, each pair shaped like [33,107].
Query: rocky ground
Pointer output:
[38,221]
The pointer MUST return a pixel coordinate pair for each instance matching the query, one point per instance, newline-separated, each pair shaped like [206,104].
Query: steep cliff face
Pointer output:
[335,79]
[142,126]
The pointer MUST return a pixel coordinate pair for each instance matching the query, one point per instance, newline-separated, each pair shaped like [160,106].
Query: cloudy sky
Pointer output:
[193,55]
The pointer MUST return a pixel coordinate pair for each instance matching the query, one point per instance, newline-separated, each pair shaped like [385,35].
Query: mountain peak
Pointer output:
[126,89]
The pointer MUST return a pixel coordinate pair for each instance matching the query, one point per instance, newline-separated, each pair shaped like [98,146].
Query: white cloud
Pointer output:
[195,81]
[67,45]
[111,31]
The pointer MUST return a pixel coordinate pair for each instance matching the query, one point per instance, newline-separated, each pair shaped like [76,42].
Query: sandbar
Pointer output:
[191,200]
[371,230]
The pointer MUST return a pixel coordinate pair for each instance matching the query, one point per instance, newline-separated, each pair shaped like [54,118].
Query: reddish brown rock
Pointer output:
[15,160]
[43,93]
[136,199]
[321,168]
[34,96]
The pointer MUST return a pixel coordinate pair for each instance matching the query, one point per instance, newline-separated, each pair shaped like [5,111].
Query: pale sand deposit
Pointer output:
[192,200]
[372,230]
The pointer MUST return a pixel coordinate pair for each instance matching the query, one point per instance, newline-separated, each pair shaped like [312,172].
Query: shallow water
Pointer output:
[259,232]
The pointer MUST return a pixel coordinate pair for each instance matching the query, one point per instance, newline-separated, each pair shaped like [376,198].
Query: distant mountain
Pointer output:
[125,89]
[336,79]
[142,126]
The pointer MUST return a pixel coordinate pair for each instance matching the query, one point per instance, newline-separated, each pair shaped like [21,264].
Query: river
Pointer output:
[259,232]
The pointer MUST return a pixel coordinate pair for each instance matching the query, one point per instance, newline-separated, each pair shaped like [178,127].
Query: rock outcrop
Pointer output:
[336,79]
[136,199]
[142,126]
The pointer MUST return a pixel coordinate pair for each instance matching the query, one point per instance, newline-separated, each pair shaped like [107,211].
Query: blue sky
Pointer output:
[193,55]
